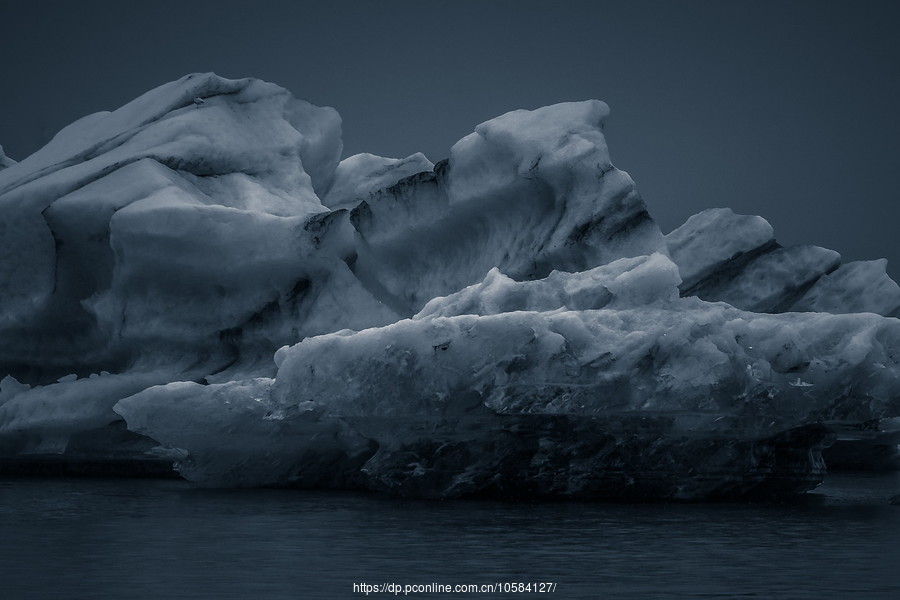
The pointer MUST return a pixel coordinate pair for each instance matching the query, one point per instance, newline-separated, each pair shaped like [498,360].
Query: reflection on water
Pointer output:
[165,539]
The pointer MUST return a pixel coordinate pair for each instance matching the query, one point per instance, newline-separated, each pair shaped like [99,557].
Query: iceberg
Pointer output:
[197,279]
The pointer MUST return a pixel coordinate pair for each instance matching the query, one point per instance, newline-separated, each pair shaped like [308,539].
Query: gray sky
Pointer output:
[786,109]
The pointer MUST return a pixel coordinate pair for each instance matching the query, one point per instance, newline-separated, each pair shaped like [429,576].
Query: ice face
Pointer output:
[121,233]
[624,282]
[735,258]
[527,192]
[178,237]
[508,322]
[263,444]
[710,240]
[43,419]
[361,175]
[861,286]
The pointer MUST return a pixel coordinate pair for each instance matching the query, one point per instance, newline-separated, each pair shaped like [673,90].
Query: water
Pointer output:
[84,538]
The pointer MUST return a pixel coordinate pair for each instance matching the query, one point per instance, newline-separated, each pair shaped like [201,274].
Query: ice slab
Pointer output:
[675,398]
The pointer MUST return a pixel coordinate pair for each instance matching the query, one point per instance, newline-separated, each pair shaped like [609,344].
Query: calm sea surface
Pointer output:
[133,539]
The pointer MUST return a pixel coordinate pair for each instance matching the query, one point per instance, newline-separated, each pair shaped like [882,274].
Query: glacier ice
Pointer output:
[509,321]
